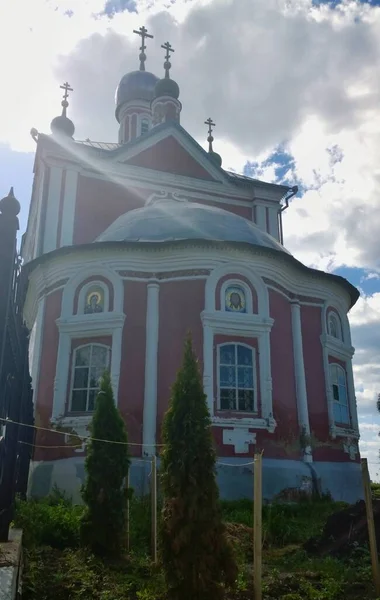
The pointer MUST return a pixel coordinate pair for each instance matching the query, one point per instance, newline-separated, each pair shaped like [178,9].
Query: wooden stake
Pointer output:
[257,526]
[154,508]
[127,516]
[371,525]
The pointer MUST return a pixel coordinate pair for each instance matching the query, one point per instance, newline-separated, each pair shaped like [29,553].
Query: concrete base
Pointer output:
[11,566]
[282,479]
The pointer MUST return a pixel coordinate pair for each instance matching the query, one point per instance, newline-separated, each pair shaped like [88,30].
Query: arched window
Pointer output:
[144,127]
[334,326]
[237,389]
[338,382]
[89,364]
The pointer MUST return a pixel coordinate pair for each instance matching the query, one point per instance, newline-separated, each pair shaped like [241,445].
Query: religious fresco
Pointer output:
[94,301]
[235,299]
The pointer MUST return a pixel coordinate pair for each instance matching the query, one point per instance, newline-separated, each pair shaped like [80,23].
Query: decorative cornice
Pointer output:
[337,347]
[165,274]
[239,324]
[52,288]
[94,323]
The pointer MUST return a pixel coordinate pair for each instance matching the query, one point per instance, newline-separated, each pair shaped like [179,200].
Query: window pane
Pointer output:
[245,377]
[337,413]
[82,357]
[245,400]
[343,395]
[227,355]
[227,377]
[227,399]
[80,377]
[91,399]
[95,375]
[99,357]
[335,392]
[244,355]
[341,377]
[78,400]
[344,416]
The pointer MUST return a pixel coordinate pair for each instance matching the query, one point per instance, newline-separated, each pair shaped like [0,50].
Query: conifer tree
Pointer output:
[104,493]
[196,556]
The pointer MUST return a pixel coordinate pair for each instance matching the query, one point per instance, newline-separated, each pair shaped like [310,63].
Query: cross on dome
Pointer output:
[64,103]
[210,138]
[167,64]
[143,33]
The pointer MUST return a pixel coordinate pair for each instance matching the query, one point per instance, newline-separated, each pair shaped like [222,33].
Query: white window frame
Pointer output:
[143,119]
[74,367]
[239,325]
[253,350]
[338,367]
[83,293]
[246,289]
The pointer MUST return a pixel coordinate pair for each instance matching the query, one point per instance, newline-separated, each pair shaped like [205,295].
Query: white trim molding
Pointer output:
[300,380]
[68,209]
[93,270]
[151,372]
[239,325]
[76,327]
[52,209]
[338,349]
[229,268]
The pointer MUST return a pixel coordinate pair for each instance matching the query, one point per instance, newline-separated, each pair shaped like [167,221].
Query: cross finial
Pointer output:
[167,64]
[210,138]
[64,103]
[143,33]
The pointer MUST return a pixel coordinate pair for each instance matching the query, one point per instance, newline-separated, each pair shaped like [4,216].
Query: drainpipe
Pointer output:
[293,191]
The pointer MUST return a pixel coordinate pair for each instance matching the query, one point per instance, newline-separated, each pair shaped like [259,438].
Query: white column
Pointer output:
[265,376]
[68,211]
[352,395]
[52,209]
[151,355]
[299,371]
[208,371]
[261,218]
[35,351]
[117,338]
[61,375]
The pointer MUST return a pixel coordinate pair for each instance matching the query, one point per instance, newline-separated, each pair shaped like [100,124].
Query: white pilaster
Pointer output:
[273,222]
[299,371]
[68,212]
[352,395]
[265,375]
[208,359]
[61,375]
[117,338]
[52,209]
[261,219]
[151,355]
[36,349]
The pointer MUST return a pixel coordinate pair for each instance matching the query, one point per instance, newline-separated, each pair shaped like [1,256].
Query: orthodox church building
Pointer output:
[133,243]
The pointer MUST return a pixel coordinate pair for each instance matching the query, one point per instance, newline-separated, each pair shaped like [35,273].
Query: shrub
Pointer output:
[107,464]
[197,559]
[48,522]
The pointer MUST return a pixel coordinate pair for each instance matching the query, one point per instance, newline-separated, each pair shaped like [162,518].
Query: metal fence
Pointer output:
[16,404]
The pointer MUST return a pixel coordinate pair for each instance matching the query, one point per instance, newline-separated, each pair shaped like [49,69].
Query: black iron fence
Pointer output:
[16,405]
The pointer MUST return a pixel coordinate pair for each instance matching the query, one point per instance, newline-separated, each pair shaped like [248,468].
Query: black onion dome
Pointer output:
[9,205]
[137,85]
[62,125]
[166,87]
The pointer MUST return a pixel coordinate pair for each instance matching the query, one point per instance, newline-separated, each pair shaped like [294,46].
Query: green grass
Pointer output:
[57,569]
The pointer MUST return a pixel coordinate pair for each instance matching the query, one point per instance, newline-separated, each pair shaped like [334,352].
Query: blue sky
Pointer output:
[304,111]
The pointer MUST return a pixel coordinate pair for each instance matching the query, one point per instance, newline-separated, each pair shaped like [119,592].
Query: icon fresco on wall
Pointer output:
[235,299]
[94,302]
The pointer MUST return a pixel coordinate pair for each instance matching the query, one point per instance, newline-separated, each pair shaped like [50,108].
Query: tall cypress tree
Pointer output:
[103,523]
[197,558]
